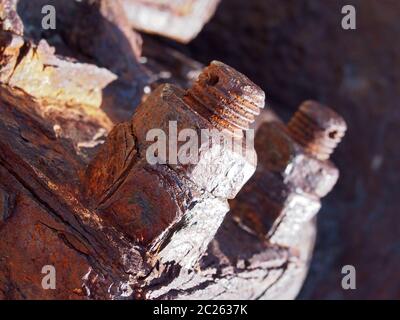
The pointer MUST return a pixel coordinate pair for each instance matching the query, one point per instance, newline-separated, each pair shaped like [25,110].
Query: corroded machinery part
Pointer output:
[124,228]
[272,220]
[183,204]
[317,128]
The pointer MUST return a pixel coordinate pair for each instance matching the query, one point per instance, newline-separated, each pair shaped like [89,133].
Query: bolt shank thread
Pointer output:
[317,128]
[226,98]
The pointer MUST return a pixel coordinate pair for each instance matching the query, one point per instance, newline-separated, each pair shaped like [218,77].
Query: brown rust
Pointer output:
[174,208]
[317,129]
[268,236]
[225,97]
[140,229]
[293,172]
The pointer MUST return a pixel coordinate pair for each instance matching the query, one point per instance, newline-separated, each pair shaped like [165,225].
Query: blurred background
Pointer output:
[297,50]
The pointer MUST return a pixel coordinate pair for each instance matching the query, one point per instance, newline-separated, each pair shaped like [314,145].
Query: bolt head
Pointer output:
[279,154]
[217,167]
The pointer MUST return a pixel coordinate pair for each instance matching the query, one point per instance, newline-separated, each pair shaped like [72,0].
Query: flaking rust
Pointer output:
[140,229]
[266,241]
[293,174]
[175,209]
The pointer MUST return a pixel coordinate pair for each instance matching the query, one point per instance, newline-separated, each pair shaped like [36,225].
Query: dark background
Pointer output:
[297,50]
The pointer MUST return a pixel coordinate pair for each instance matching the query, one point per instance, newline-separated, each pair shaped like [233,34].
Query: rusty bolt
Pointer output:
[217,101]
[277,206]
[176,208]
[270,225]
[293,173]
[222,95]
[317,129]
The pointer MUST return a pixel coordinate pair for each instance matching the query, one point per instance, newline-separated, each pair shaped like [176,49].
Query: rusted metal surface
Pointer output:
[7,202]
[302,52]
[96,32]
[174,208]
[43,222]
[272,219]
[225,98]
[122,227]
[317,129]
[94,257]
[181,20]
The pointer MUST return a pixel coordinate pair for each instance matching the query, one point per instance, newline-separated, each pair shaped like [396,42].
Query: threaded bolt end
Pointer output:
[317,128]
[227,98]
